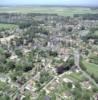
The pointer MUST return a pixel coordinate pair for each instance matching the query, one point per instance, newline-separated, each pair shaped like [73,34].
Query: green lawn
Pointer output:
[50,10]
[76,77]
[3,86]
[7,26]
[91,68]
[96,33]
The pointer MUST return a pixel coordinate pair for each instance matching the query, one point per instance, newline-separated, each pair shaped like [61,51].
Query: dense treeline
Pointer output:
[13,18]
[91,35]
[87,16]
[23,20]
[67,66]
[41,14]
[94,59]
[85,69]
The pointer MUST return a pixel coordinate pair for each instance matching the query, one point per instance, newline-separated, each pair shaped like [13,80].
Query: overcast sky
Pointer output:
[50,2]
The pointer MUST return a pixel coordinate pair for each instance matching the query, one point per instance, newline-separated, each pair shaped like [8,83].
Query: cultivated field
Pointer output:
[91,68]
[96,33]
[50,10]
[7,26]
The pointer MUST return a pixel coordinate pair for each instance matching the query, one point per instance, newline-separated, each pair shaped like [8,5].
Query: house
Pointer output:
[75,69]
[4,78]
[91,41]
[66,95]
[95,96]
[47,98]
[68,72]
[31,86]
[86,85]
[13,56]
[5,40]
[66,80]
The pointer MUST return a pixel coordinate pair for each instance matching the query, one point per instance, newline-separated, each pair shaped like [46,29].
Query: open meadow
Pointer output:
[7,26]
[91,68]
[65,11]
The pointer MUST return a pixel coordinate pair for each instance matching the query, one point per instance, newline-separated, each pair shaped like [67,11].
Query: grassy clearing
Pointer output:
[91,68]
[96,33]
[50,10]
[7,26]
[62,87]
[76,77]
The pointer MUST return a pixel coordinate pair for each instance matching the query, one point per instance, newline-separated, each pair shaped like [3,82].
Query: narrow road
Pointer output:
[77,60]
[89,77]
[55,77]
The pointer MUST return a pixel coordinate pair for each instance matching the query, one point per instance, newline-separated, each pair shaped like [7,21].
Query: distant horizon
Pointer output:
[46,5]
[88,3]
